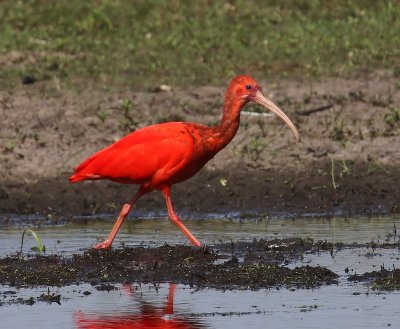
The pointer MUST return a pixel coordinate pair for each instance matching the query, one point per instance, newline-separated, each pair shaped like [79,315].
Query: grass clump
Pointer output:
[393,116]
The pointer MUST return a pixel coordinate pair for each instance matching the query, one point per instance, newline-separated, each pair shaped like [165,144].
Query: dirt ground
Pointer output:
[243,265]
[261,266]
[348,160]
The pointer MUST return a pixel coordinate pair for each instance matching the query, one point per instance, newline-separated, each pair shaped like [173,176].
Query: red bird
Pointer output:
[158,156]
[149,317]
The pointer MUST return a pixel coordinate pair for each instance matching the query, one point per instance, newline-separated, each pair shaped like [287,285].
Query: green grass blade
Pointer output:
[39,244]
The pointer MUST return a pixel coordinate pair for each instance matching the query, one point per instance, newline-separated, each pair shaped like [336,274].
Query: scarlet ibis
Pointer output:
[149,317]
[158,156]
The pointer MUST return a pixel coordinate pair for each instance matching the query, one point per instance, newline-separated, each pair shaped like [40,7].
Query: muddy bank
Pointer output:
[199,267]
[385,279]
[237,265]
[268,191]
[348,160]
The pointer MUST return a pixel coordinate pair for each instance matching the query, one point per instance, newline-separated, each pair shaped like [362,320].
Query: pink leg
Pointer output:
[175,219]
[169,308]
[126,208]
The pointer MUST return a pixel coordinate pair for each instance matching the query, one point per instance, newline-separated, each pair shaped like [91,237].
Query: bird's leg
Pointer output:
[169,308]
[175,219]
[126,208]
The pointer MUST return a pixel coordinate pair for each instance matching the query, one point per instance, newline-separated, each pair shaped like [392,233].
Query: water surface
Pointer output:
[346,305]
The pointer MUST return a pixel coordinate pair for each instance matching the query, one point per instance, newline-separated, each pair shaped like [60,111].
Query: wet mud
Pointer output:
[261,264]
[242,265]
[385,279]
[250,189]
[10,297]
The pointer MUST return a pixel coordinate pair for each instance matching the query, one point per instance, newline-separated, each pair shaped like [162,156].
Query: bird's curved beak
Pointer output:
[259,98]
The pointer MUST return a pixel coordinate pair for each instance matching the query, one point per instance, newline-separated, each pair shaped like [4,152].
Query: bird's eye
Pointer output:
[249,87]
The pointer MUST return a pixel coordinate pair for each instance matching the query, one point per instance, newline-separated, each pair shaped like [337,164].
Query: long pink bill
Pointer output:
[259,98]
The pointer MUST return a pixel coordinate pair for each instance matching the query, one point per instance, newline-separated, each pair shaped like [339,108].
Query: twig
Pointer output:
[257,114]
[318,109]
[333,173]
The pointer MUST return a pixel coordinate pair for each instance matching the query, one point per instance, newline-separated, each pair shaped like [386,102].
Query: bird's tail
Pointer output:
[76,178]
[82,172]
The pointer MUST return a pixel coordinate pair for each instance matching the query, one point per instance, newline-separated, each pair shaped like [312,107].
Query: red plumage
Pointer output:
[152,156]
[158,156]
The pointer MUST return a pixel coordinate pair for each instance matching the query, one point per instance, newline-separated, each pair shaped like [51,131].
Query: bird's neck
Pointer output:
[229,125]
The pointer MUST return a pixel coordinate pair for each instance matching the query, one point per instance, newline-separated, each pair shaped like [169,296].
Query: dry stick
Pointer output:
[333,173]
[318,109]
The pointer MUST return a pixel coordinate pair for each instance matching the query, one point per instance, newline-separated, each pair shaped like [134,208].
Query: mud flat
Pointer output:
[348,160]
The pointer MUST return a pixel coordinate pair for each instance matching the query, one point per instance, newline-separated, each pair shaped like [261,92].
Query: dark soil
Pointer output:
[348,161]
[385,279]
[10,297]
[179,264]
[243,265]
[275,251]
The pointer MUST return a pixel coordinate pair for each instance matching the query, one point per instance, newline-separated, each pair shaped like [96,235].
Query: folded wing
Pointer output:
[148,155]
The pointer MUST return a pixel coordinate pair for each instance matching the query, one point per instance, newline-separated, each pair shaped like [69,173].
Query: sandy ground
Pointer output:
[47,129]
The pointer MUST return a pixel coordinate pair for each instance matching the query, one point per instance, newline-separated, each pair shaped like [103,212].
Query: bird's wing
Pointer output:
[150,153]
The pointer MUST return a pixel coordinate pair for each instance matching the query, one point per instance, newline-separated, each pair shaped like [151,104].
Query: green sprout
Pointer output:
[392,117]
[39,245]
[128,123]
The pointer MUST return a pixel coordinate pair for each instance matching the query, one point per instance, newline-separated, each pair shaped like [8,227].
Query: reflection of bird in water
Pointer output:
[149,317]
[158,156]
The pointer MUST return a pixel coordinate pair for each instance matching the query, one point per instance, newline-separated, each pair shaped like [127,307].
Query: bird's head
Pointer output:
[243,89]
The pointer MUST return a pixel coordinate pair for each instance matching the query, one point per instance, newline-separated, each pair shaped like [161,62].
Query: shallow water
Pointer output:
[327,307]
[338,306]
[78,234]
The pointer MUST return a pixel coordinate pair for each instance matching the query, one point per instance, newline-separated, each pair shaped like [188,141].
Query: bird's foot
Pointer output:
[103,245]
